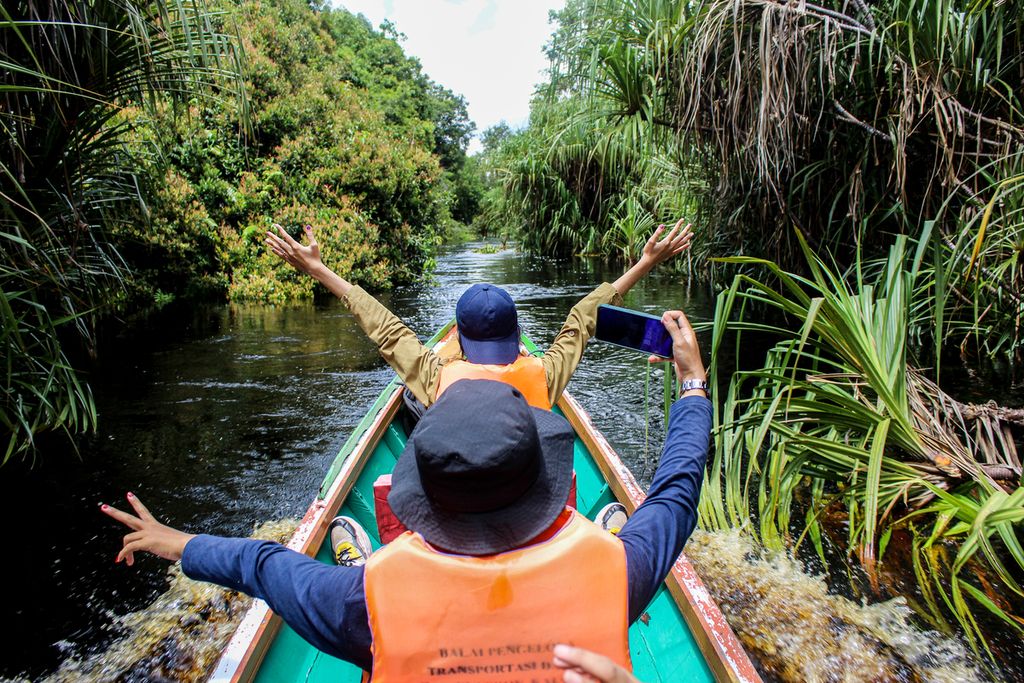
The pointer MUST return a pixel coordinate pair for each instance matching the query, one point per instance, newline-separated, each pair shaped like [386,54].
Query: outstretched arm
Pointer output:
[654,252]
[657,531]
[415,364]
[323,603]
[305,258]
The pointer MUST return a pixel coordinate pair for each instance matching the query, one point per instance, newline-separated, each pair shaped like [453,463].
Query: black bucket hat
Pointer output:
[483,472]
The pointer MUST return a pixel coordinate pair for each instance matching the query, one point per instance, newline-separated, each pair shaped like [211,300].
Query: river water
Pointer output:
[223,418]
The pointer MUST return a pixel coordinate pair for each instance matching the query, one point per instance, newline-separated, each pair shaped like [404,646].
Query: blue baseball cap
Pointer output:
[488,325]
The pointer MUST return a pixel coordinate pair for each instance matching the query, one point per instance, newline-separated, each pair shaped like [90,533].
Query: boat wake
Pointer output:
[178,637]
[797,631]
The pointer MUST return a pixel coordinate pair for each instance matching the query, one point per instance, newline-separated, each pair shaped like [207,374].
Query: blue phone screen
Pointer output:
[633,330]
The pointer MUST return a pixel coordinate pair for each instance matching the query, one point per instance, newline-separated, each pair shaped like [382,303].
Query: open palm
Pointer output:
[676,241]
[302,257]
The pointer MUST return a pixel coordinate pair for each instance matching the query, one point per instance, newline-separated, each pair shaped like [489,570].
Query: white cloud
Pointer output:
[489,51]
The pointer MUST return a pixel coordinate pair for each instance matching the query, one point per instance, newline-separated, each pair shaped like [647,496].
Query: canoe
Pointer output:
[683,635]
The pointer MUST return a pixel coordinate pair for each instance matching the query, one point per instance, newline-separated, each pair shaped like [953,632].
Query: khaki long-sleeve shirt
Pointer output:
[420,368]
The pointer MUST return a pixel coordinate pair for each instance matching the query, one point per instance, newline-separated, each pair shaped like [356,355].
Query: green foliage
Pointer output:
[452,127]
[469,188]
[491,217]
[348,135]
[572,185]
[838,415]
[849,120]
[149,147]
[986,298]
[41,390]
[586,176]
[170,244]
[68,177]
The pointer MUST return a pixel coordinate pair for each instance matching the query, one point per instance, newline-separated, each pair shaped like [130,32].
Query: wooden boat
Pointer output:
[683,635]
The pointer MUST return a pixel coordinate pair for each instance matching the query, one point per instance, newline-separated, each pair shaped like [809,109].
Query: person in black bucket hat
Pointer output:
[488,326]
[482,486]
[489,488]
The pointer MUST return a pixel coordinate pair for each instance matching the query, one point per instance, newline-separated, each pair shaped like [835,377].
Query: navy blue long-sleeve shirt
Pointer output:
[326,606]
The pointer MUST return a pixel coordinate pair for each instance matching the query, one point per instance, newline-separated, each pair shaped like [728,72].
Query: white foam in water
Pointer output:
[178,637]
[798,631]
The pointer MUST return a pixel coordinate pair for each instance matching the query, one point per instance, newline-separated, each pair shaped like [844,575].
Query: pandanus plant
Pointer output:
[838,414]
[850,119]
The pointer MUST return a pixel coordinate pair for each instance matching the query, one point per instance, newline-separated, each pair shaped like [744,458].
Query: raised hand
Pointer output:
[583,665]
[654,252]
[304,258]
[675,242]
[148,535]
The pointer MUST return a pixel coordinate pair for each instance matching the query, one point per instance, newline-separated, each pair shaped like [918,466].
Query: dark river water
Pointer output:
[222,418]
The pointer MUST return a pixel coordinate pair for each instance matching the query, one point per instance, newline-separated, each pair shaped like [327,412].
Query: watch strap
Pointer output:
[691,384]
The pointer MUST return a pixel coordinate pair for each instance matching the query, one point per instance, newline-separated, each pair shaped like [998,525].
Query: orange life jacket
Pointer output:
[526,374]
[457,618]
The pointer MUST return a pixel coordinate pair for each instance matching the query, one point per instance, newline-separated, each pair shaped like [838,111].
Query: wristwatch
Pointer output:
[690,384]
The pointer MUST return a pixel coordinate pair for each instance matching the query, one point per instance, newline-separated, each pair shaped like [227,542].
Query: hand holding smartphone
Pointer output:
[633,330]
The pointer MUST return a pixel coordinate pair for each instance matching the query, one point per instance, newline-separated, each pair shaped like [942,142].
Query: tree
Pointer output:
[452,127]
[494,137]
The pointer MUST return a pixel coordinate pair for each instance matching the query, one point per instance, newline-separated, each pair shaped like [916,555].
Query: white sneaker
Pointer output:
[612,517]
[350,542]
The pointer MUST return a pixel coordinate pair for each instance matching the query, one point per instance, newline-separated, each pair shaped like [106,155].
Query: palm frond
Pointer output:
[69,70]
[837,407]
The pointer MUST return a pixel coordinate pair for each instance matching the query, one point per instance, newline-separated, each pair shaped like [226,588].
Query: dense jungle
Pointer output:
[854,170]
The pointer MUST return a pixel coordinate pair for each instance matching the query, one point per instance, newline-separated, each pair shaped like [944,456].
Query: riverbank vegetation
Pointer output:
[66,178]
[856,173]
[847,121]
[841,418]
[345,133]
[148,147]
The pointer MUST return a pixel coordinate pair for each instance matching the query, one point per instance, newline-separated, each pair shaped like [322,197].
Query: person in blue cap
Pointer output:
[487,322]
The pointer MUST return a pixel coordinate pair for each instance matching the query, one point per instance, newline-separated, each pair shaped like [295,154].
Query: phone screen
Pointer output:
[633,330]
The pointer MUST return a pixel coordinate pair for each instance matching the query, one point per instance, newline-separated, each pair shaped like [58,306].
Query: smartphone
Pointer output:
[633,330]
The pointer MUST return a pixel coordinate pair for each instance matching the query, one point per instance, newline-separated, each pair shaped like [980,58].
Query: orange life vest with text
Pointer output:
[496,619]
[526,374]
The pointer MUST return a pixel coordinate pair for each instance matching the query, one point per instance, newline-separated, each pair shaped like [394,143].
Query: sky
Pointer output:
[489,51]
